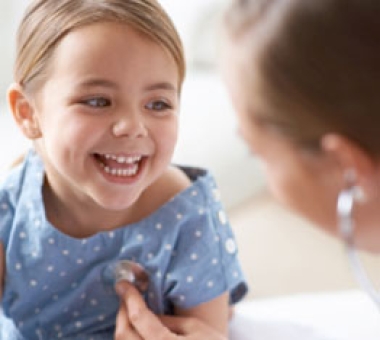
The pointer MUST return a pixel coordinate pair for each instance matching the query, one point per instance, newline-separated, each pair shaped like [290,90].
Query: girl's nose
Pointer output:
[131,127]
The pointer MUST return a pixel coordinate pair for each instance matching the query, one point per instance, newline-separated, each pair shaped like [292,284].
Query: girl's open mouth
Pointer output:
[120,165]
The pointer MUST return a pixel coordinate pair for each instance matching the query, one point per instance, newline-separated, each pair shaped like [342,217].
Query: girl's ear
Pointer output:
[23,112]
[353,160]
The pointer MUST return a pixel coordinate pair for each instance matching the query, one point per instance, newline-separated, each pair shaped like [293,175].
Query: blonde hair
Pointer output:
[46,22]
[317,63]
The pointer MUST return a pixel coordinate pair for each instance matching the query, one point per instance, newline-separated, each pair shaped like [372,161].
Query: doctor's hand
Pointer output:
[135,319]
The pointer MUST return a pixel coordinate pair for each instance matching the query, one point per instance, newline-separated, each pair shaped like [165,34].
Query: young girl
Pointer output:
[97,87]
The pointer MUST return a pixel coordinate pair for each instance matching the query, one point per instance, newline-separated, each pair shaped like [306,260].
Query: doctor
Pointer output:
[304,76]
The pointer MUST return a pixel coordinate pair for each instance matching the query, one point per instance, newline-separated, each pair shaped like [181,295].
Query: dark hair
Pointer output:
[318,65]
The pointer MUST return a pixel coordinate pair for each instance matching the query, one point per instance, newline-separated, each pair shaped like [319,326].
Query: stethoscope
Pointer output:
[345,205]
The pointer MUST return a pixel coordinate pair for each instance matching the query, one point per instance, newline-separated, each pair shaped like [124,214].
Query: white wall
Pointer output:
[10,13]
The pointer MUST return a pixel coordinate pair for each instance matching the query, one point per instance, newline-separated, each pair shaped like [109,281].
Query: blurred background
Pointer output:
[280,253]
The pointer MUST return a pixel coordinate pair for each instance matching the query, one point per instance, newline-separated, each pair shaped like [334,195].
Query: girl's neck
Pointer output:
[81,219]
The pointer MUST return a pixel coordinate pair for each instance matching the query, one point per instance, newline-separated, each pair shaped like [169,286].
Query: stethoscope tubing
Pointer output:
[345,206]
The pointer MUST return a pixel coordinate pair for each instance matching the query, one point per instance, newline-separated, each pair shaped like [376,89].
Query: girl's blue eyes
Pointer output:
[158,106]
[100,102]
[97,102]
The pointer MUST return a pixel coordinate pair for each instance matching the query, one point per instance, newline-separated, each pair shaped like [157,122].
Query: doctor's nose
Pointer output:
[131,127]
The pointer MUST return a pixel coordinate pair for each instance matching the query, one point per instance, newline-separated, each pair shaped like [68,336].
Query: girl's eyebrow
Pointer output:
[107,83]
[98,82]
[161,86]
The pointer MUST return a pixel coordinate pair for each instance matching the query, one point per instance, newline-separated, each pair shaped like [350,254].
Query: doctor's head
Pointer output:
[304,78]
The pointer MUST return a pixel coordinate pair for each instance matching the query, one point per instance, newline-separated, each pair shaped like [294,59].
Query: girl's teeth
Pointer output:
[122,172]
[130,168]
[123,159]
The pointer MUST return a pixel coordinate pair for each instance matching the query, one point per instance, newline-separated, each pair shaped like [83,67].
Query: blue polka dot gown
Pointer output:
[59,287]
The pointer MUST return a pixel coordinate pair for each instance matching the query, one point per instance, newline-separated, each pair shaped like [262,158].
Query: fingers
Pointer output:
[124,330]
[191,328]
[2,269]
[231,313]
[146,324]
[180,325]
[151,327]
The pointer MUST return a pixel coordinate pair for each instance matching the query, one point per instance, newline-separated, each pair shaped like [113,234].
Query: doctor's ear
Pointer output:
[353,161]
[23,112]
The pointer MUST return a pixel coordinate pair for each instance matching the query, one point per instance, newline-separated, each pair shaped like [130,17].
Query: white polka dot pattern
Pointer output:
[187,246]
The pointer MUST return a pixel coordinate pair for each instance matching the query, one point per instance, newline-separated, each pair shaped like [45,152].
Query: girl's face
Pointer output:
[108,115]
[304,181]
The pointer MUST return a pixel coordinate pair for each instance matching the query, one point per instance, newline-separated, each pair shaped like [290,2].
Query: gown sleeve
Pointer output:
[205,262]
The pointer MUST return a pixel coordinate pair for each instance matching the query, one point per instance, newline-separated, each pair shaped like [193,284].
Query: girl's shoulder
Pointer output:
[18,183]
[174,181]
[180,187]
[169,185]
[180,181]
[10,182]
[10,187]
